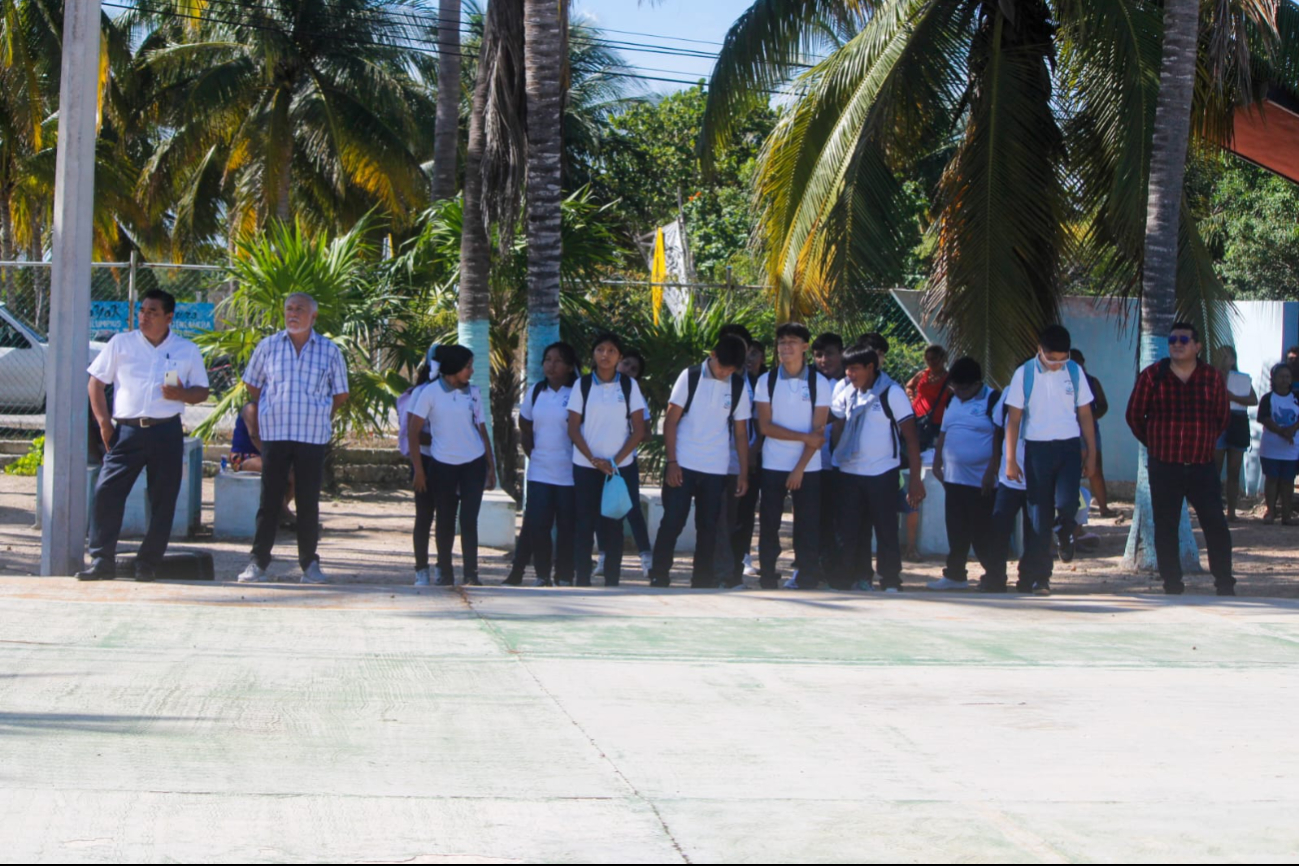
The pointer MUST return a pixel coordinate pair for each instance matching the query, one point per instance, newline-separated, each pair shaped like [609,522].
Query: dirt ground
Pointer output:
[366,539]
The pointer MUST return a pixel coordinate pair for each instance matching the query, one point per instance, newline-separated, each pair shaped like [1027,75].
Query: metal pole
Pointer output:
[130,294]
[63,516]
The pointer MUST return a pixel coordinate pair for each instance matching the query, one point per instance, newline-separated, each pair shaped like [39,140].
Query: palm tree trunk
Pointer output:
[1172,133]
[544,41]
[282,140]
[475,250]
[446,135]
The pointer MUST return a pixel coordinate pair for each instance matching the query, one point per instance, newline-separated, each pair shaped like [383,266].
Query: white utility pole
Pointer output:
[63,499]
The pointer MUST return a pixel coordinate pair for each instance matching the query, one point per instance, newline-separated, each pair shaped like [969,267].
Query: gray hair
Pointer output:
[314,306]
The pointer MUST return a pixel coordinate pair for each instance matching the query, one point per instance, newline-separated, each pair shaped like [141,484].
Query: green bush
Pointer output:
[31,461]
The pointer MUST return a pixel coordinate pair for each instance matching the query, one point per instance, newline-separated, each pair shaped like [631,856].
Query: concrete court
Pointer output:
[370,724]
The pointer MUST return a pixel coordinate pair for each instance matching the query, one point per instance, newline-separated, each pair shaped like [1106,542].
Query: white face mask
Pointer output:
[1047,364]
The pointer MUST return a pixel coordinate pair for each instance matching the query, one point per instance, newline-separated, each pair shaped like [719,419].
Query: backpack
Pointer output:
[693,375]
[587,380]
[1030,374]
[812,376]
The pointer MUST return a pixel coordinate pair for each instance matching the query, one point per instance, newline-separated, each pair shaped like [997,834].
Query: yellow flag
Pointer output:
[658,273]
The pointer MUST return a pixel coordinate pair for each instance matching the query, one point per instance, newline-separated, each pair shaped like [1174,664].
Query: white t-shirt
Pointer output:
[968,446]
[881,449]
[405,403]
[1053,410]
[998,418]
[1285,411]
[607,426]
[137,370]
[552,451]
[703,433]
[733,466]
[791,409]
[452,418]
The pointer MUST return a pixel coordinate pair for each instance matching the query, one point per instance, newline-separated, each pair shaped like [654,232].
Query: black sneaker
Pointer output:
[514,580]
[98,572]
[658,582]
[1227,590]
[145,572]
[1065,543]
[1174,589]
[443,579]
[472,581]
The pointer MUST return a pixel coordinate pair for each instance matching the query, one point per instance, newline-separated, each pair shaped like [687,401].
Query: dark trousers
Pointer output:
[829,525]
[746,518]
[588,489]
[866,504]
[425,508]
[969,522]
[307,463]
[705,491]
[159,451]
[458,488]
[1008,504]
[635,522]
[1052,475]
[548,505]
[1199,485]
[807,528]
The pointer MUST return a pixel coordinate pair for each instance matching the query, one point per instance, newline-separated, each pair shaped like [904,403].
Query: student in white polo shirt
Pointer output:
[606,421]
[543,430]
[1050,408]
[961,457]
[874,430]
[1009,502]
[461,465]
[154,372]
[706,401]
[793,403]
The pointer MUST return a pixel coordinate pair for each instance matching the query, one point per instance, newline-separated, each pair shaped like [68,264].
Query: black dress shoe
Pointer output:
[97,572]
[145,572]
[1174,588]
[1226,590]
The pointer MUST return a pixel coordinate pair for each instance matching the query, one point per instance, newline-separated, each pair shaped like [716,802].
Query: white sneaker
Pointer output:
[254,573]
[313,574]
[646,560]
[421,577]
[944,583]
[792,583]
[749,570]
[599,567]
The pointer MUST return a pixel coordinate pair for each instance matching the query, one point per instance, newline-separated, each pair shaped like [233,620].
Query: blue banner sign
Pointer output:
[110,317]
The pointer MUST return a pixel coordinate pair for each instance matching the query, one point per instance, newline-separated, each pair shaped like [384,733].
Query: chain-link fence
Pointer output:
[115,289]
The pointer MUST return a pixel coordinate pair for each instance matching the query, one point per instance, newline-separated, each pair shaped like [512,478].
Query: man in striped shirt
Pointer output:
[296,380]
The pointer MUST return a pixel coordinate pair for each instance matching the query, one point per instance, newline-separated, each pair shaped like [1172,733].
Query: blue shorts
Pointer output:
[1282,469]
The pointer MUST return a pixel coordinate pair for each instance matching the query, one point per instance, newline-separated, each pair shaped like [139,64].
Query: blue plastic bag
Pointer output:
[615,503]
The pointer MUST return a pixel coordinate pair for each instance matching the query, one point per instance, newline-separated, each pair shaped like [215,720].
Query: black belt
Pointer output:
[145,422]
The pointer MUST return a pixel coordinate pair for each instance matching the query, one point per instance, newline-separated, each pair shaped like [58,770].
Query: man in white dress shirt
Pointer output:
[154,373]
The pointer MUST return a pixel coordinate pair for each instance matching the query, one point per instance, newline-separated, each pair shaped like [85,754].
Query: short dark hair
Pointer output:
[606,337]
[935,349]
[1076,356]
[635,355]
[1186,326]
[1293,350]
[826,340]
[875,341]
[1055,338]
[860,356]
[735,330]
[452,359]
[167,299]
[794,329]
[731,351]
[965,371]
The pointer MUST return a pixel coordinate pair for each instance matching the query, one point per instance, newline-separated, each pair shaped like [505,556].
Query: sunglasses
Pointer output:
[1182,339]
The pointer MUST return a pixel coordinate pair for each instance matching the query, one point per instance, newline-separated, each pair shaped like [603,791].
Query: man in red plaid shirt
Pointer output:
[1178,409]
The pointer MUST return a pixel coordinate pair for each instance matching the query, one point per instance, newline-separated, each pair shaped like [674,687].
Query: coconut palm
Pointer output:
[993,88]
[446,142]
[287,108]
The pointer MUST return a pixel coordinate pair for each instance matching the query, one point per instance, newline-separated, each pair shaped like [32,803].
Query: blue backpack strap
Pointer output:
[1075,374]
[1030,374]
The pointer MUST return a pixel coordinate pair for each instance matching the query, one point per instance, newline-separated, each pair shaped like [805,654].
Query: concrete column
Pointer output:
[64,518]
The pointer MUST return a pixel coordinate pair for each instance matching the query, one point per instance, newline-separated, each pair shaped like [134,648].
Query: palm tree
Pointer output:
[995,89]
[284,108]
[446,141]
[545,38]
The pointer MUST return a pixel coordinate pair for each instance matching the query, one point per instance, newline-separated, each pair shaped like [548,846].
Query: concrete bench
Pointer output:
[189,501]
[496,520]
[652,505]
[238,495]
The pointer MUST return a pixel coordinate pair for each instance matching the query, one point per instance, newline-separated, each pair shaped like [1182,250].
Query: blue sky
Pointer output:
[706,20]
